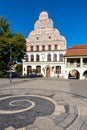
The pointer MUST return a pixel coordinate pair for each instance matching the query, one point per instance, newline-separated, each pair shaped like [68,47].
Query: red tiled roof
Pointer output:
[79,50]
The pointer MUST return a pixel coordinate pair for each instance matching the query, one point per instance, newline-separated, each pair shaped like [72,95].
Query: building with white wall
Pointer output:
[45,49]
[76,62]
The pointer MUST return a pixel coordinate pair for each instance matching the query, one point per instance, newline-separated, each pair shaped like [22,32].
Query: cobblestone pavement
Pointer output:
[43,104]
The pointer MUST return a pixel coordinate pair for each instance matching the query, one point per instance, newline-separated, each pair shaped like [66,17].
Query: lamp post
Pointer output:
[10,64]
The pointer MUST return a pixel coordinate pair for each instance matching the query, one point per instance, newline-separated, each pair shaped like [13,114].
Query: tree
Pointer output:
[10,45]
[19,69]
[19,47]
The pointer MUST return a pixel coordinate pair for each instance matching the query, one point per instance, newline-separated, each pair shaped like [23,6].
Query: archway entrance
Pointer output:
[73,74]
[85,73]
[47,72]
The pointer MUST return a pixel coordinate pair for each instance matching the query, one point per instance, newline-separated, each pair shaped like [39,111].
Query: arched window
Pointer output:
[26,58]
[58,69]
[49,57]
[38,69]
[37,57]
[29,70]
[32,58]
[61,57]
[55,57]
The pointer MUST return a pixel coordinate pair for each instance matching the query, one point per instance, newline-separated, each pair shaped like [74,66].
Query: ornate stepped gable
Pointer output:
[45,33]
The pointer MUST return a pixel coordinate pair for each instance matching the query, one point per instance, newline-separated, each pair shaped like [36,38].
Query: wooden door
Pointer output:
[48,72]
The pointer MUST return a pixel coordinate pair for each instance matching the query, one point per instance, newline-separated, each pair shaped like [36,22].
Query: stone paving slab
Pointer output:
[73,118]
[10,128]
[45,123]
[84,125]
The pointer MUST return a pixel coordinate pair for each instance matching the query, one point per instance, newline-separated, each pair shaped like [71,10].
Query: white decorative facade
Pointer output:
[45,49]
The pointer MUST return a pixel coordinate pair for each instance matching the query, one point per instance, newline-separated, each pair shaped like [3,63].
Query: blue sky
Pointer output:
[69,17]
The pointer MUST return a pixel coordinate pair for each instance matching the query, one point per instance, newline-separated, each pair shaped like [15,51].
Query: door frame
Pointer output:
[49,73]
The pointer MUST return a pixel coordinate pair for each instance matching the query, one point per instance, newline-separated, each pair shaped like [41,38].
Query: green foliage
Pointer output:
[2,74]
[10,45]
[19,46]
[19,68]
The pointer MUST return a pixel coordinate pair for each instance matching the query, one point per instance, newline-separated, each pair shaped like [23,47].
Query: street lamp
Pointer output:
[10,63]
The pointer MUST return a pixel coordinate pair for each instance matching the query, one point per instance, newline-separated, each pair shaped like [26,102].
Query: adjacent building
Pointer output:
[45,49]
[76,62]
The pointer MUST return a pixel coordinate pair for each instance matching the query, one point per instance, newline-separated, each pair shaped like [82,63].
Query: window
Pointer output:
[78,62]
[37,57]
[49,37]
[49,57]
[29,70]
[38,69]
[43,48]
[61,57]
[55,57]
[85,61]
[71,61]
[37,48]
[55,47]
[37,38]
[26,58]
[31,48]
[49,47]
[58,69]
[32,58]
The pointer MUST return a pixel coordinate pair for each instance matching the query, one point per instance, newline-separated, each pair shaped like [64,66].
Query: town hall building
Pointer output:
[45,49]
